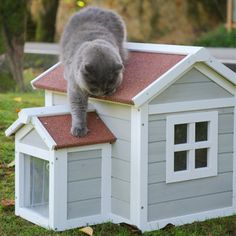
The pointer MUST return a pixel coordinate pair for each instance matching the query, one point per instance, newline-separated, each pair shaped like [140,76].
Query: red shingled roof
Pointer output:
[59,129]
[141,69]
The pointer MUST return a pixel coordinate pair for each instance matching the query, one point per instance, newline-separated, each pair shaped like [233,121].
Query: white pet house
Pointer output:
[173,160]
[60,179]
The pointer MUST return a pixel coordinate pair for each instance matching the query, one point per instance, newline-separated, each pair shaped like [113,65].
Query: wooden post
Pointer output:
[229,15]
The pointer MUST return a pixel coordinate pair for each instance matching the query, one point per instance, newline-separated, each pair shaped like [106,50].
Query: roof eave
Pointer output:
[14,128]
[43,74]
[26,114]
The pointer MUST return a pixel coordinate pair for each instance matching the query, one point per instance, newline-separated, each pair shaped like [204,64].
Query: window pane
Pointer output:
[39,182]
[201,158]
[180,161]
[201,131]
[181,133]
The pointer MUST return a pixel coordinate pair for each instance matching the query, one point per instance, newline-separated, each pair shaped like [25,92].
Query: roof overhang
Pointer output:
[53,125]
[164,81]
[192,55]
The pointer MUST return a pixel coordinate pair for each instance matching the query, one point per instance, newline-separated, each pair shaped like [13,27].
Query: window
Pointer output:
[36,185]
[191,146]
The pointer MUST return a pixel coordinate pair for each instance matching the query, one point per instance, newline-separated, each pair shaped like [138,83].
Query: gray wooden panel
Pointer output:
[79,155]
[157,151]
[84,169]
[226,123]
[120,189]
[83,190]
[120,208]
[157,131]
[193,76]
[187,206]
[33,139]
[121,150]
[157,170]
[120,169]
[225,162]
[225,143]
[120,128]
[191,90]
[84,208]
[188,189]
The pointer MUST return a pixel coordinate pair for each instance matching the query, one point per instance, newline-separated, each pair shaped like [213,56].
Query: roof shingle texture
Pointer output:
[141,69]
[59,129]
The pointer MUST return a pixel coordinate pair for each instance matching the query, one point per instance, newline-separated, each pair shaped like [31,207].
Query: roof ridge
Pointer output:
[162,48]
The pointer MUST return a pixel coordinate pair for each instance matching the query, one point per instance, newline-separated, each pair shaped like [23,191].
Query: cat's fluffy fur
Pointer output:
[93,55]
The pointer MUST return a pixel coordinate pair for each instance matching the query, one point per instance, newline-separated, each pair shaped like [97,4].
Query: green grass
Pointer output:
[12,225]
[217,38]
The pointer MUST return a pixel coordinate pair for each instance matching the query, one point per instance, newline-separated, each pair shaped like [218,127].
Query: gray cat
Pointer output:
[93,55]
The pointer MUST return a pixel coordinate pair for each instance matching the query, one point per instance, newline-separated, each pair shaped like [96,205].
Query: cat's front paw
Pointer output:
[78,131]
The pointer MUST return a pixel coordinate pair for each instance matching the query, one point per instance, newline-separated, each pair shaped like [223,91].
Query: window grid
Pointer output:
[191,145]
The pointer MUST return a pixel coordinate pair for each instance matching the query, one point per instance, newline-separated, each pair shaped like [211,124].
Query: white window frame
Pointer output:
[212,144]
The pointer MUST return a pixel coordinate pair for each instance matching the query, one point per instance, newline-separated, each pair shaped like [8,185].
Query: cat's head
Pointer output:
[101,71]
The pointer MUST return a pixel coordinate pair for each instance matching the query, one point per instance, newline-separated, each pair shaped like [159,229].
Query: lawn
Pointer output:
[10,105]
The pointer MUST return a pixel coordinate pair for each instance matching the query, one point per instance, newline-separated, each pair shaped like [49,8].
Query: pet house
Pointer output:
[173,160]
[60,179]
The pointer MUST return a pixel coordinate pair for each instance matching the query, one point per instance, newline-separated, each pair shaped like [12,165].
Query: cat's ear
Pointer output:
[88,68]
[118,67]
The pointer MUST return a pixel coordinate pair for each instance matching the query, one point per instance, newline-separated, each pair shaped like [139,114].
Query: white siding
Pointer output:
[117,118]
[59,99]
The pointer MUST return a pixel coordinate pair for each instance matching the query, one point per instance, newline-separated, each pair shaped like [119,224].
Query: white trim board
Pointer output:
[14,126]
[190,105]
[83,221]
[33,217]
[162,48]
[139,166]
[44,73]
[27,113]
[106,180]
[234,158]
[33,151]
[187,219]
[58,189]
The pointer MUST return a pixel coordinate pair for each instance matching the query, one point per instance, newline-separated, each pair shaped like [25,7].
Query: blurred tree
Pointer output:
[44,14]
[205,14]
[167,21]
[66,9]
[13,27]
